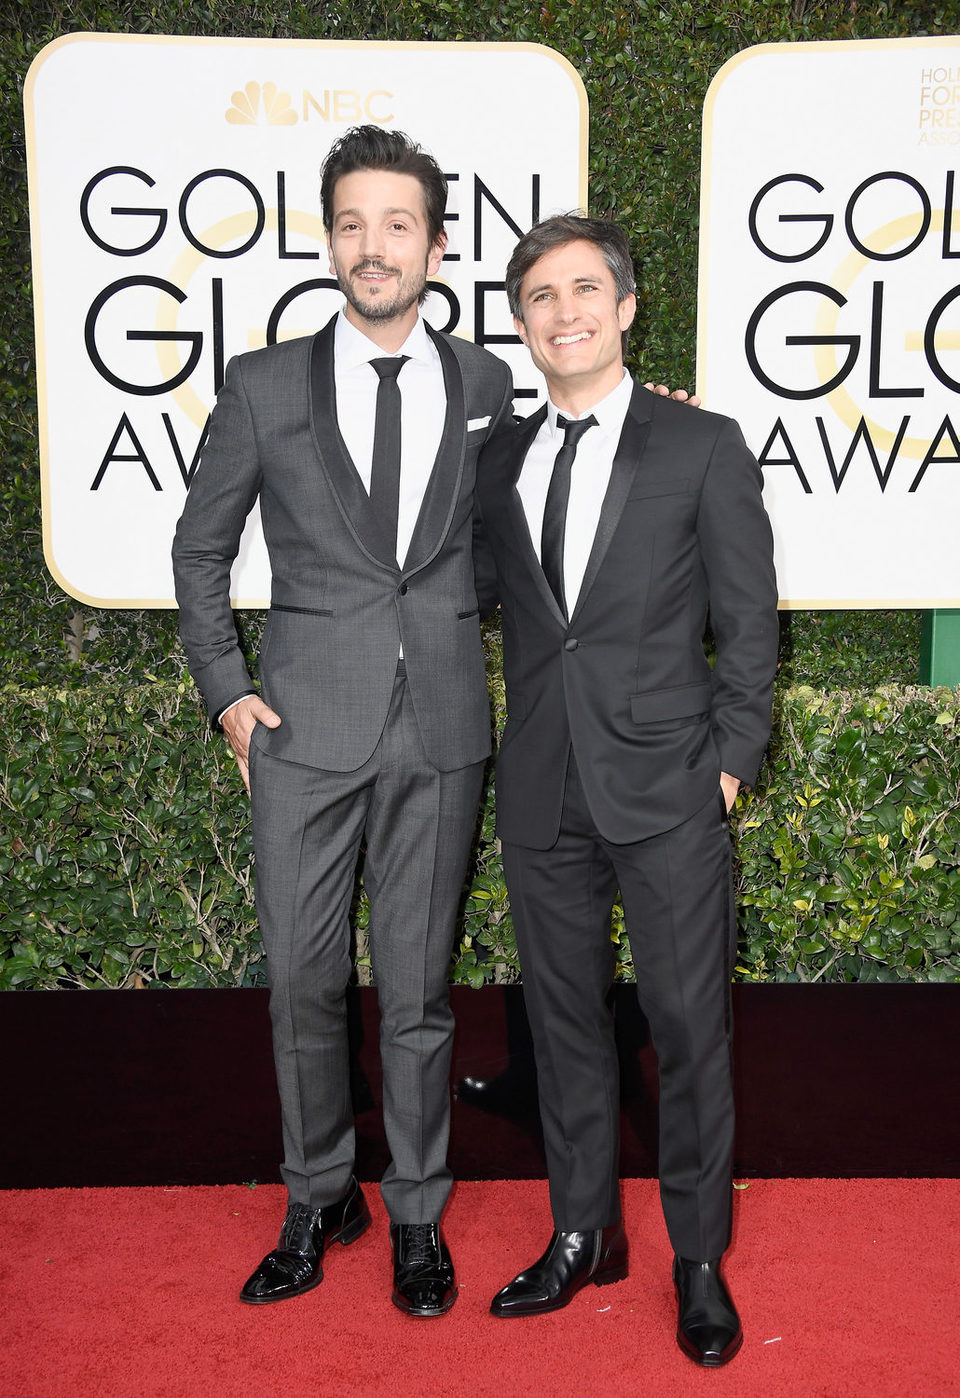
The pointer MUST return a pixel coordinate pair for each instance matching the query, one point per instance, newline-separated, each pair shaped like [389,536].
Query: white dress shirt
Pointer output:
[589,478]
[423,409]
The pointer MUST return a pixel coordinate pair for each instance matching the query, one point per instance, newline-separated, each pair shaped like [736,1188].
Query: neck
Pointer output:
[572,397]
[387,335]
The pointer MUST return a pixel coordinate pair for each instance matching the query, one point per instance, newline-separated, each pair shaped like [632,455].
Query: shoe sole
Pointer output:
[604,1277]
[284,1295]
[345,1237]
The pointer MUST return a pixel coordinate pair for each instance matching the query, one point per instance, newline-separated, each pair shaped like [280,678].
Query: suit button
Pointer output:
[402,589]
[571,643]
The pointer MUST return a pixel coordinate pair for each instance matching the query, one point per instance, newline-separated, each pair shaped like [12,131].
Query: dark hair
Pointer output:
[373,148]
[555,232]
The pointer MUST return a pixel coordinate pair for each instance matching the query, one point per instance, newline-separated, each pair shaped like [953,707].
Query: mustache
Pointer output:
[373,264]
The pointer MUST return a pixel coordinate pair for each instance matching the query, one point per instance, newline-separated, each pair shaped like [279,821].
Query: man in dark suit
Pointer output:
[361,445]
[618,522]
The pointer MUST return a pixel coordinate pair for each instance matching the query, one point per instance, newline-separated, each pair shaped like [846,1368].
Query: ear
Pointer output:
[519,327]
[333,265]
[626,311]
[435,255]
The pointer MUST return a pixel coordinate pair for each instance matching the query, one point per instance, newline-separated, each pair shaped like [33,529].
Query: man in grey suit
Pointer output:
[618,523]
[361,445]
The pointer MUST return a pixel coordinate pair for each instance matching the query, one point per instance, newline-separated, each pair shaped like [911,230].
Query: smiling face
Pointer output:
[380,250]
[572,324]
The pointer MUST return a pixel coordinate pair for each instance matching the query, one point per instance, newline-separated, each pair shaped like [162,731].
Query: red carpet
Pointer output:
[844,1286]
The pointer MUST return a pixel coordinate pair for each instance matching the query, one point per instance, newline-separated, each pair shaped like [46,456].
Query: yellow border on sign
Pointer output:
[196,41]
[706,164]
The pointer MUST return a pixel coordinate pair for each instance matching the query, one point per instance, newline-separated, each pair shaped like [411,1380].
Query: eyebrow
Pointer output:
[387,213]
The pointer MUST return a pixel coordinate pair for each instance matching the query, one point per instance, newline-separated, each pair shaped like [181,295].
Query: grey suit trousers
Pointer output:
[308,828]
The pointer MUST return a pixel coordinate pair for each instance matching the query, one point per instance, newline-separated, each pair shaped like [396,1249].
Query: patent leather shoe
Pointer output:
[708,1327]
[423,1280]
[569,1263]
[294,1266]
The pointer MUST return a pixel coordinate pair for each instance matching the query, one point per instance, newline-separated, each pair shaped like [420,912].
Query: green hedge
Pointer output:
[849,850]
[130,861]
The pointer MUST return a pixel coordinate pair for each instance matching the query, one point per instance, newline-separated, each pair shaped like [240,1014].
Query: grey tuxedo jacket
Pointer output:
[340,605]
[682,534]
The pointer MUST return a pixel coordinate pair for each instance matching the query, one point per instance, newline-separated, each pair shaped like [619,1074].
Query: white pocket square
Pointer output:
[475,423]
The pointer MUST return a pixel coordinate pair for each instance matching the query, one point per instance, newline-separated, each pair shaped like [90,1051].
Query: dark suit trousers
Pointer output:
[677,896]
[308,826]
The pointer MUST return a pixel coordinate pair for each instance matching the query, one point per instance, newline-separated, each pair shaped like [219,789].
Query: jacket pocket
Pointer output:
[300,611]
[682,702]
[662,485]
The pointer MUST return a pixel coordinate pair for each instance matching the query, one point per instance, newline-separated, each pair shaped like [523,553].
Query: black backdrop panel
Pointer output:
[176,1087]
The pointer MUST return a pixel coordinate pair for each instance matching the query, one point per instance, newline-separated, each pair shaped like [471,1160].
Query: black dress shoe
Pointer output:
[571,1260]
[512,1095]
[423,1281]
[708,1327]
[295,1264]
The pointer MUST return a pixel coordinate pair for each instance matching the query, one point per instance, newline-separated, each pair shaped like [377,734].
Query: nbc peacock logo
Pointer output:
[261,105]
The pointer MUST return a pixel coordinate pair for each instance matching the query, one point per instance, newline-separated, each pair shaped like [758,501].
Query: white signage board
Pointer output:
[174,204]
[829,320]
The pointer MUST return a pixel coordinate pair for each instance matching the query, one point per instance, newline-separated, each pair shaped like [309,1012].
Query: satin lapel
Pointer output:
[517,516]
[345,482]
[446,478]
[630,448]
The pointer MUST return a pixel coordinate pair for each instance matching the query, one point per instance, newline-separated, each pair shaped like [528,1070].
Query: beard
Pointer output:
[409,291]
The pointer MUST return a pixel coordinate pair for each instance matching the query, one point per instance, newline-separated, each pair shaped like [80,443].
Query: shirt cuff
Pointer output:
[218,721]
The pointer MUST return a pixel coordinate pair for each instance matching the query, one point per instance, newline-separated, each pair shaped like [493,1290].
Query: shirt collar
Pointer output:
[352,347]
[609,412]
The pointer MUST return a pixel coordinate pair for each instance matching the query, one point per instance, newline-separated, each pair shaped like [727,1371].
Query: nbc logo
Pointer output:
[245,107]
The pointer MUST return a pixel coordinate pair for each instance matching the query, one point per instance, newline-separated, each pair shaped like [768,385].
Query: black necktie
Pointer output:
[385,467]
[555,510]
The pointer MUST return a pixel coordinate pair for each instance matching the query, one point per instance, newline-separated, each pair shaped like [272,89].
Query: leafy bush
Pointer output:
[849,849]
[127,861]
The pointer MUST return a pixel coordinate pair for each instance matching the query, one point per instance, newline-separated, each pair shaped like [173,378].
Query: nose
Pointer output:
[371,243]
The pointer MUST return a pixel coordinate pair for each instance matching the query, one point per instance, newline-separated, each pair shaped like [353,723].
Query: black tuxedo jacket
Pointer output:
[682,535]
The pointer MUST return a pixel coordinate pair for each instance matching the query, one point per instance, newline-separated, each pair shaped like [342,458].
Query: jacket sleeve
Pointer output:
[736,544]
[207,540]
